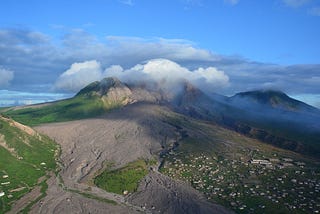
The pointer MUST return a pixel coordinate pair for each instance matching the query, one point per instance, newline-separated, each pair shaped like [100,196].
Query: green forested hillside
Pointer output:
[25,156]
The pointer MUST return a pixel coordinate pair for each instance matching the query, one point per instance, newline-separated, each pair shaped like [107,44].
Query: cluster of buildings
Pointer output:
[283,182]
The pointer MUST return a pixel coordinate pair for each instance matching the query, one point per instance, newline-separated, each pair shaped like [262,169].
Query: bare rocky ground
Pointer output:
[62,201]
[122,136]
[170,196]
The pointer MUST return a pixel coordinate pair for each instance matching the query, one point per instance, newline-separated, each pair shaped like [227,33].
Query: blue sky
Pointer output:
[255,44]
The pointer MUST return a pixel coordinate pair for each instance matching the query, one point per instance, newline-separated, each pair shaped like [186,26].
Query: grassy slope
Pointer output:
[125,178]
[27,171]
[75,108]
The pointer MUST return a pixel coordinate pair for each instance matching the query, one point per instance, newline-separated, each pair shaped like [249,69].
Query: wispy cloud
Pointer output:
[315,11]
[232,2]
[295,3]
[10,98]
[127,2]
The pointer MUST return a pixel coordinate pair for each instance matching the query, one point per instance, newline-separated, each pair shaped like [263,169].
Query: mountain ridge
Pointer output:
[270,116]
[274,99]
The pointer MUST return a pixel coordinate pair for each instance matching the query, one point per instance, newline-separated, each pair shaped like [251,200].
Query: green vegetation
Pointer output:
[44,187]
[126,178]
[24,158]
[79,107]
[88,195]
[218,163]
[3,108]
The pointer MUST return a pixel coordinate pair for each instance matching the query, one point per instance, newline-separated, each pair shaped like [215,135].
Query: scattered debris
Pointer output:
[17,189]
[5,183]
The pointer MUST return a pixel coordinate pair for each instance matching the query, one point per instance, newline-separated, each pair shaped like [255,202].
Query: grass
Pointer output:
[79,107]
[125,178]
[88,195]
[3,108]
[23,172]
[44,187]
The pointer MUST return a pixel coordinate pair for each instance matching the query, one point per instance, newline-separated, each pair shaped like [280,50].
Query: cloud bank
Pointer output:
[164,72]
[78,76]
[41,64]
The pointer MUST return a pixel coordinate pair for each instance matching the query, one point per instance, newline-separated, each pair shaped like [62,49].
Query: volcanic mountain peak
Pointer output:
[102,87]
[272,98]
[263,96]
[186,94]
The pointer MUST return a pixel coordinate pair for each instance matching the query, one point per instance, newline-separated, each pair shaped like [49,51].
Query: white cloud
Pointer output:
[165,73]
[113,69]
[232,2]
[212,77]
[20,49]
[78,76]
[295,3]
[168,74]
[5,77]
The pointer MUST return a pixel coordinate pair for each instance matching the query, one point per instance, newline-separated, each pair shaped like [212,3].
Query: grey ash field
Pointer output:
[130,149]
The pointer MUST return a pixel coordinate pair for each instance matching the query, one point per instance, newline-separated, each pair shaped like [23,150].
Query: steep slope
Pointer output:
[275,118]
[110,90]
[213,160]
[95,99]
[195,103]
[137,131]
[269,116]
[25,157]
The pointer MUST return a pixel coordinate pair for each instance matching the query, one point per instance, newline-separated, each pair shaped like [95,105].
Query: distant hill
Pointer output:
[272,99]
[274,117]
